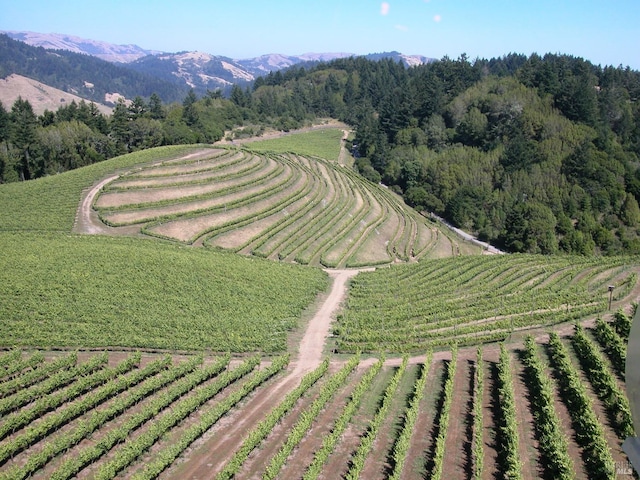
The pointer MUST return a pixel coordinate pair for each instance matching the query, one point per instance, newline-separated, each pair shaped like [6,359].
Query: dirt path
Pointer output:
[87,221]
[209,454]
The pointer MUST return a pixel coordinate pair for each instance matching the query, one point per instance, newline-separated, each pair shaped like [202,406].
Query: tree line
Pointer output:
[533,153]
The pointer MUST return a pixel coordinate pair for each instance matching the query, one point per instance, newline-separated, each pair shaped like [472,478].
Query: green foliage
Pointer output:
[330,441]
[507,423]
[366,442]
[589,433]
[443,417]
[478,424]
[323,143]
[474,299]
[102,291]
[552,441]
[262,430]
[614,346]
[300,429]
[403,442]
[604,383]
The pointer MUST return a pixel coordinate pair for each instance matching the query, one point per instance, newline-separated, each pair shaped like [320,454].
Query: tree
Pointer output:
[24,123]
[530,227]
[119,127]
[630,213]
[137,108]
[156,110]
[189,110]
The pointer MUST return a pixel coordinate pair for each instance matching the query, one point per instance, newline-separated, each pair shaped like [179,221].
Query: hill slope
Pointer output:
[82,75]
[41,97]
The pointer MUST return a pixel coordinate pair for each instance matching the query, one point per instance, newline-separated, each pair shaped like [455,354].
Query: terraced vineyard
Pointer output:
[474,299]
[280,206]
[194,417]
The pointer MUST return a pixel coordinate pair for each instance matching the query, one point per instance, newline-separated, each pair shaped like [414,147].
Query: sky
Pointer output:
[606,32]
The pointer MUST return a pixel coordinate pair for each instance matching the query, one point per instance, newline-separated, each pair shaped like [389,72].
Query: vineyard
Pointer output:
[550,407]
[98,291]
[203,333]
[279,206]
[475,299]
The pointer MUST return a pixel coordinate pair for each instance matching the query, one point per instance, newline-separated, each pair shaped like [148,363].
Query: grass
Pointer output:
[324,143]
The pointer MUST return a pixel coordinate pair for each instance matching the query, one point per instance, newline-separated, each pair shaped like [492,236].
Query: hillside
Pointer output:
[283,405]
[198,70]
[102,50]
[80,74]
[40,96]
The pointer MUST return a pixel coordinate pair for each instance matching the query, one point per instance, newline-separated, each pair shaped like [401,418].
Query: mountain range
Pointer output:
[192,69]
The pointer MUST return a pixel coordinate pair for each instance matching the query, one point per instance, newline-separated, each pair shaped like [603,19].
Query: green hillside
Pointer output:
[60,289]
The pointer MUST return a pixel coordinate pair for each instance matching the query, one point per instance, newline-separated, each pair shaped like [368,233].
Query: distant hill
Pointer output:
[82,75]
[192,69]
[41,97]
[103,50]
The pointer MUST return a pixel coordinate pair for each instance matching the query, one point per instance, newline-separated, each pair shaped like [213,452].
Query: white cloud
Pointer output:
[437,18]
[384,8]
[402,28]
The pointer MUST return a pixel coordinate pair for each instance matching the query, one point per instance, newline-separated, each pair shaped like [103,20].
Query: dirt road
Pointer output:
[210,454]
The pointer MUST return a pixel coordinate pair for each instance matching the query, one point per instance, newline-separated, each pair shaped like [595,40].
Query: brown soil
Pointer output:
[459,432]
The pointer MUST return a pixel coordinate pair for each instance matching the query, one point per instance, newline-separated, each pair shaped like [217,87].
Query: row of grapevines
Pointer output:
[131,450]
[11,356]
[301,427]
[401,447]
[622,324]
[478,391]
[18,364]
[74,409]
[443,419]
[360,455]
[552,442]
[596,454]
[508,425]
[72,465]
[29,378]
[54,382]
[604,383]
[329,442]
[263,429]
[208,419]
[613,345]
[83,384]
[98,418]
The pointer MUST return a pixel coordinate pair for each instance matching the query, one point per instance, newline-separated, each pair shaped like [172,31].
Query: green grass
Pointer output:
[324,143]
[87,291]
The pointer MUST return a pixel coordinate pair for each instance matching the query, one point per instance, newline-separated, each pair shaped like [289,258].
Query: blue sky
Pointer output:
[607,32]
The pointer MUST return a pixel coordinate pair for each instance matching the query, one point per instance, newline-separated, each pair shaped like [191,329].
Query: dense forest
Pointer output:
[534,154]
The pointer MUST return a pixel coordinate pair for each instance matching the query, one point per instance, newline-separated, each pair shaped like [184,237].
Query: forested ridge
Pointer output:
[535,154]
[83,75]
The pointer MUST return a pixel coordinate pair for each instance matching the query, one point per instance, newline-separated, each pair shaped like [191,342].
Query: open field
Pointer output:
[218,365]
